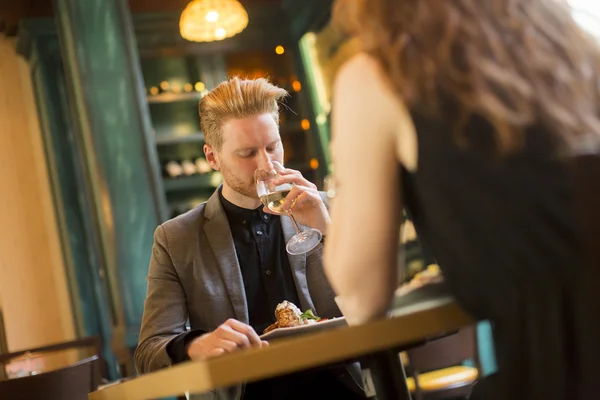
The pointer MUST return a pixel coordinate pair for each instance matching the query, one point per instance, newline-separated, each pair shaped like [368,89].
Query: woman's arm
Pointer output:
[361,254]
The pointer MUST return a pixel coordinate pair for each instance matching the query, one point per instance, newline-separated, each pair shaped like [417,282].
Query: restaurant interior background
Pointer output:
[100,143]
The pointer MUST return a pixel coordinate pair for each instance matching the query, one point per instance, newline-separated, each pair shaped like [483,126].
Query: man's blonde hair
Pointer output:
[237,98]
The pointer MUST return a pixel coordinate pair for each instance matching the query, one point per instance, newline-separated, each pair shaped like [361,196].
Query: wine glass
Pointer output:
[273,197]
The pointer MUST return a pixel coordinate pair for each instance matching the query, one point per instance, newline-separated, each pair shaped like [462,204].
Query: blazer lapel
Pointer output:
[220,240]
[298,266]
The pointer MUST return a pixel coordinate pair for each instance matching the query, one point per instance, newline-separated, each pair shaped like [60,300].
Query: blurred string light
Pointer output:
[297,86]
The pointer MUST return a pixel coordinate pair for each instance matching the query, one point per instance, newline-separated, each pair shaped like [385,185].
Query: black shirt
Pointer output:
[265,267]
[268,280]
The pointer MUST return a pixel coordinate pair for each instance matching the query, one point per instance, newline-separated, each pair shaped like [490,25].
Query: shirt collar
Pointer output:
[238,214]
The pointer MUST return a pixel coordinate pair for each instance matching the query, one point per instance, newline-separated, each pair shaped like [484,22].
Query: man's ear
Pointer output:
[211,157]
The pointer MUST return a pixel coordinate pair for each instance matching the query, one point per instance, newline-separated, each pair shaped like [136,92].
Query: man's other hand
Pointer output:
[228,337]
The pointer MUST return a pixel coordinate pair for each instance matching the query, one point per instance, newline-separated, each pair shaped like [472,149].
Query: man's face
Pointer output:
[248,143]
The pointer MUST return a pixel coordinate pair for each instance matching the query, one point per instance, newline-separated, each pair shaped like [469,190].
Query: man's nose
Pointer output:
[266,161]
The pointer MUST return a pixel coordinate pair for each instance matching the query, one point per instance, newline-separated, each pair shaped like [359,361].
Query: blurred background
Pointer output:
[100,142]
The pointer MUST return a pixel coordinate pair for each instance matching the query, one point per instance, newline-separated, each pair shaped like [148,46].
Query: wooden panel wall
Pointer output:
[33,283]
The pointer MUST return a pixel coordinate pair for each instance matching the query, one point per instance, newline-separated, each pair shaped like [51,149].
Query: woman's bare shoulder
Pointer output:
[360,67]
[362,77]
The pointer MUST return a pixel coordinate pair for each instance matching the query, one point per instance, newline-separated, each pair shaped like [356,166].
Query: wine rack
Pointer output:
[175,84]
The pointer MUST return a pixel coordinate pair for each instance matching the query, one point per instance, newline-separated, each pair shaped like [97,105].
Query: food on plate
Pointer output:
[431,274]
[288,315]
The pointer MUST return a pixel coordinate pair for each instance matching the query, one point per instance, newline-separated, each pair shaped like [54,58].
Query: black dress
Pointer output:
[507,234]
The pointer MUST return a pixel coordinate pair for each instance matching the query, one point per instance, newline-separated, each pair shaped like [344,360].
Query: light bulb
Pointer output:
[212,16]
[220,33]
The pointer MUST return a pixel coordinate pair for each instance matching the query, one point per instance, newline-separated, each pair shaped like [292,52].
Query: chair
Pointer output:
[93,344]
[74,382]
[435,370]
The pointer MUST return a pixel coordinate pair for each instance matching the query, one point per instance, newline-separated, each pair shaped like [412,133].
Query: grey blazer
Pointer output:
[194,273]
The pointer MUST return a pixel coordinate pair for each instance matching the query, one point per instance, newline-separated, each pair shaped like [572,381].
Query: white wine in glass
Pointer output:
[273,197]
[274,200]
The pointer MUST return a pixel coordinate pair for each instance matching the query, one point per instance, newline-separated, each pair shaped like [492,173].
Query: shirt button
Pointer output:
[259,233]
[268,272]
[244,222]
[265,217]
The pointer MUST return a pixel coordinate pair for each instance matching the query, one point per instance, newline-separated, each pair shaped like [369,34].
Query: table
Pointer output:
[375,344]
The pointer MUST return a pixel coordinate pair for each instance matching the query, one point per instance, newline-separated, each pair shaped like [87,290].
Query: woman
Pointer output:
[475,114]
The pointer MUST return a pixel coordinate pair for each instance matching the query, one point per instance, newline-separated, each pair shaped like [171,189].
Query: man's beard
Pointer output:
[247,189]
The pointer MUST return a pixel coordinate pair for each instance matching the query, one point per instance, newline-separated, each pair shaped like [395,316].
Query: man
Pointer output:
[224,265]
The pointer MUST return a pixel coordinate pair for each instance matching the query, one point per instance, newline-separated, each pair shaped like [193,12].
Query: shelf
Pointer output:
[194,182]
[173,97]
[163,139]
[169,139]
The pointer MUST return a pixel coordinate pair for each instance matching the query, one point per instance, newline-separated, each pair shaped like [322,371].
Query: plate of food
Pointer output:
[431,275]
[291,321]
[425,286]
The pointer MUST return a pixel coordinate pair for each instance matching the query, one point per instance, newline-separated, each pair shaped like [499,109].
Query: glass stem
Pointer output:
[289,213]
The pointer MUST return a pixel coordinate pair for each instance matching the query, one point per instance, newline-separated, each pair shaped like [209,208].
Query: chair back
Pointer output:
[87,347]
[445,352]
[74,382]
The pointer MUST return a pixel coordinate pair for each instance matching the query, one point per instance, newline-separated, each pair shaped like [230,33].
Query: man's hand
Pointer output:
[228,337]
[304,200]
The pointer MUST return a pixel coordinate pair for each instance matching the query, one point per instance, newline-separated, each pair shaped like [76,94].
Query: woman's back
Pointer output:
[505,230]
[476,208]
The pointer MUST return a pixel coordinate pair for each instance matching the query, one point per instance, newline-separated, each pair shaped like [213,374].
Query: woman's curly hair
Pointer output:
[514,62]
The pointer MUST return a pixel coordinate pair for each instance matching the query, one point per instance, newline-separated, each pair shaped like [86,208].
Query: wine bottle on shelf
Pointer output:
[189,168]
[202,166]
[173,169]
[176,88]
[164,87]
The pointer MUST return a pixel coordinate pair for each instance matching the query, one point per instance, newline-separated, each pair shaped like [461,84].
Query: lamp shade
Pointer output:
[211,20]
